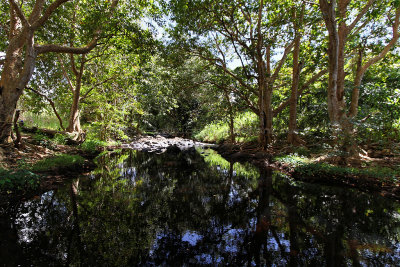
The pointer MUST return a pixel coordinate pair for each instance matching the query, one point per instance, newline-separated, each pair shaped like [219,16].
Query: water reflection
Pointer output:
[194,208]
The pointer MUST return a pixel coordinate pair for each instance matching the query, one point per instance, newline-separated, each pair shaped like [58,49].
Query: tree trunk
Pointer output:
[265,117]
[232,128]
[329,14]
[7,110]
[231,116]
[18,141]
[293,138]
[15,74]
[74,124]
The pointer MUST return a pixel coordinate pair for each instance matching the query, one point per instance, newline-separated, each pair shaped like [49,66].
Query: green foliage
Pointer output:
[18,180]
[59,139]
[293,160]
[43,140]
[214,132]
[51,143]
[328,170]
[41,120]
[63,161]
[93,145]
[245,128]
[379,103]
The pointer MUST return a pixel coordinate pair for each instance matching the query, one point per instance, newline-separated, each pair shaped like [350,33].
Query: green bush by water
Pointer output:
[92,145]
[304,166]
[18,180]
[327,170]
[61,161]
[245,128]
[293,160]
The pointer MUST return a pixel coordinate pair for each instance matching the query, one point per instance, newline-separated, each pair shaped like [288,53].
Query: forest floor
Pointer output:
[31,152]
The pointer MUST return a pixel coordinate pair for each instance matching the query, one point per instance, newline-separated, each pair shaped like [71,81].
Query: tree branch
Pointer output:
[71,87]
[19,13]
[227,71]
[286,103]
[37,10]
[51,104]
[363,68]
[41,49]
[360,15]
[96,85]
[281,62]
[46,15]
[387,48]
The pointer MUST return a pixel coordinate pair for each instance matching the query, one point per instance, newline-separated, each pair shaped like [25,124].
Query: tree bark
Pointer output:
[18,140]
[329,15]
[74,124]
[231,116]
[293,138]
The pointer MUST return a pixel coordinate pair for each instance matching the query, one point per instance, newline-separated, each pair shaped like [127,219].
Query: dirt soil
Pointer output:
[30,153]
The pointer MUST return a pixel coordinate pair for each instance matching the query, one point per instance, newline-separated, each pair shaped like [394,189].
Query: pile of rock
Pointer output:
[161,144]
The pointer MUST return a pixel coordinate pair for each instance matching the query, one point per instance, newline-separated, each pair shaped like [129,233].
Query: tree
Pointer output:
[345,38]
[250,41]
[246,32]
[22,51]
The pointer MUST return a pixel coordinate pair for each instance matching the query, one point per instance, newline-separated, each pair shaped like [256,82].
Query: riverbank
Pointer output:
[58,163]
[379,175]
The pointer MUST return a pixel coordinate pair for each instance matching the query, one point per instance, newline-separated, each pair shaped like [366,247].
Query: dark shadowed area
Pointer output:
[195,208]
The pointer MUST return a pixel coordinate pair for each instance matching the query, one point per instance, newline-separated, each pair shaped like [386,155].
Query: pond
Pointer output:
[194,208]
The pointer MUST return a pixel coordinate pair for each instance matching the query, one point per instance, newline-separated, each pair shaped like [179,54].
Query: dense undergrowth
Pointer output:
[18,180]
[304,166]
[245,129]
[63,161]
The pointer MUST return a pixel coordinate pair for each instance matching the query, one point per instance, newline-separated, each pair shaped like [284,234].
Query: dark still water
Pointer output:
[193,208]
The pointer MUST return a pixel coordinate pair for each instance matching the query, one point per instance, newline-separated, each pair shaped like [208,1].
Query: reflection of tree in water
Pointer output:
[182,209]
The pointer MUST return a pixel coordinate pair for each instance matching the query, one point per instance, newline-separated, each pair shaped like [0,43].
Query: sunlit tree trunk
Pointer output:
[338,32]
[74,124]
[293,138]
[17,70]
[21,54]
[231,116]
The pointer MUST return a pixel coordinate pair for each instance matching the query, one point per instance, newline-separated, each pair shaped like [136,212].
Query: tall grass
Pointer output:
[42,120]
[245,128]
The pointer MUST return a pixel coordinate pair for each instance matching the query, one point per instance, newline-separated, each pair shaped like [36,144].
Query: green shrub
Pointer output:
[51,143]
[41,120]
[57,162]
[18,180]
[245,128]
[38,137]
[59,139]
[328,170]
[43,140]
[93,145]
[293,160]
